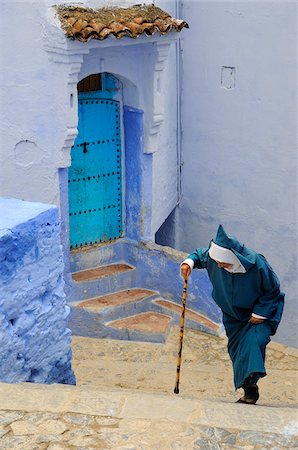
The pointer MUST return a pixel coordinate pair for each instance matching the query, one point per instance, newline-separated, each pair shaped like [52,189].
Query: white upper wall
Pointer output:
[32,125]
[240,132]
[37,120]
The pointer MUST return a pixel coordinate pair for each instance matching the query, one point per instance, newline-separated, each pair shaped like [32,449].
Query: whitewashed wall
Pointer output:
[240,131]
[35,104]
[33,108]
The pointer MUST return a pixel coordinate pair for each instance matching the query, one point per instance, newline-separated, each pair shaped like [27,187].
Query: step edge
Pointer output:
[134,315]
[154,293]
[130,267]
[109,308]
[119,404]
[187,309]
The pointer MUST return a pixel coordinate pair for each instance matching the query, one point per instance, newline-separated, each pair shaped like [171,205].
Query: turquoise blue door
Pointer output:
[94,178]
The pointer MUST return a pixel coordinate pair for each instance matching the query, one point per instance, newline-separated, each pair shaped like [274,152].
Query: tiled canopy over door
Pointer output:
[94,178]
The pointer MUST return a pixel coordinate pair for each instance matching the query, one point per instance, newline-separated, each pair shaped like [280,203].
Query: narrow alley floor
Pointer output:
[206,370]
[124,400]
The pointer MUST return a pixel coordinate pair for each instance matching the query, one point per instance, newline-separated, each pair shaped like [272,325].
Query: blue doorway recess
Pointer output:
[94,177]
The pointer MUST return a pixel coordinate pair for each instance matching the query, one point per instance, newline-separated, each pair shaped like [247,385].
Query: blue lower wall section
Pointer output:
[156,268]
[34,338]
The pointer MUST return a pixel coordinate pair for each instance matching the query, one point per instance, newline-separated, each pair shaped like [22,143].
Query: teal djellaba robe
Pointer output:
[239,295]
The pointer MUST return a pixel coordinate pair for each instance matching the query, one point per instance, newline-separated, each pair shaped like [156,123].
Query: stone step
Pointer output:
[133,314]
[91,318]
[147,326]
[115,299]
[100,272]
[193,319]
[230,424]
[92,282]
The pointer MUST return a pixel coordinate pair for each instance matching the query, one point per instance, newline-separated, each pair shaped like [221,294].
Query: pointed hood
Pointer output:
[246,256]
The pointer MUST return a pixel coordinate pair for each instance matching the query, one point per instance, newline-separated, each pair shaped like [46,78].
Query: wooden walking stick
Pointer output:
[176,390]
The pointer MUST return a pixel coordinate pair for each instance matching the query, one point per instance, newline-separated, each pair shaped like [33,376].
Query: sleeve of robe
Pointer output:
[199,257]
[268,302]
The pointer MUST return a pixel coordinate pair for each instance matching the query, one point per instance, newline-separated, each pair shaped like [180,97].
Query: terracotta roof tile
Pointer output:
[84,24]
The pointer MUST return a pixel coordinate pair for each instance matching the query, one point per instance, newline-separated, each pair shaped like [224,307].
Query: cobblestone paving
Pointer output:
[39,431]
[206,374]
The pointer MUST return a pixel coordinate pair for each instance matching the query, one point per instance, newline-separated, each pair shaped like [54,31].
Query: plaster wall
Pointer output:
[33,106]
[34,338]
[240,133]
[39,113]
[165,181]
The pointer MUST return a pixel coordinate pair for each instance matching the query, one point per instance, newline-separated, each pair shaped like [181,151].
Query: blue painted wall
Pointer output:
[239,126]
[34,338]
[156,268]
[133,126]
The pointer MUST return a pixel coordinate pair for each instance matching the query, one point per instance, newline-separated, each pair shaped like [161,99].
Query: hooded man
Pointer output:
[248,293]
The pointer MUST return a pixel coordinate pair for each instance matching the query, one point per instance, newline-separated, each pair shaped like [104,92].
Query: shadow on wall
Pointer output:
[166,233]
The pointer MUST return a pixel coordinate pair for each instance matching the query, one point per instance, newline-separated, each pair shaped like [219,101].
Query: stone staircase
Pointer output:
[124,394]
[107,303]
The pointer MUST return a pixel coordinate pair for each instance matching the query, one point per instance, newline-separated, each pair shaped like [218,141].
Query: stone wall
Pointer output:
[34,338]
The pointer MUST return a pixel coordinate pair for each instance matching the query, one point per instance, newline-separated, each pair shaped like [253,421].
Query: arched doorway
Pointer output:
[94,177]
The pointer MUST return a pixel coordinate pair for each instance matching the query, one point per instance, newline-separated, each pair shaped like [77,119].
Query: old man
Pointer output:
[248,292]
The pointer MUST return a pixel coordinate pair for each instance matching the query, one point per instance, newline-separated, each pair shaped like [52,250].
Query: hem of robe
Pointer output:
[246,346]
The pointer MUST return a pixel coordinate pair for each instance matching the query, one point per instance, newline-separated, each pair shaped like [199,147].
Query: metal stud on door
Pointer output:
[95,187]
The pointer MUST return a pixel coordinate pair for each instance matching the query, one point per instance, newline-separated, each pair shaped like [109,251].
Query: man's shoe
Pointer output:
[251,395]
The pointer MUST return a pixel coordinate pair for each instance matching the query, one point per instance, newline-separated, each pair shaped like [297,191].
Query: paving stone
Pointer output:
[225,436]
[58,446]
[107,422]
[78,433]
[20,443]
[129,447]
[205,444]
[40,416]
[78,419]
[255,438]
[112,439]
[46,438]
[4,430]
[276,448]
[88,441]
[177,445]
[220,435]
[225,446]
[27,427]
[7,417]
